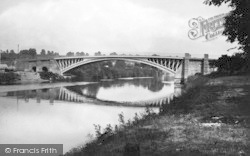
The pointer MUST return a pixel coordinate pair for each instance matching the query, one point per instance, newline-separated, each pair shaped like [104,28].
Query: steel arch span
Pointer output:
[167,65]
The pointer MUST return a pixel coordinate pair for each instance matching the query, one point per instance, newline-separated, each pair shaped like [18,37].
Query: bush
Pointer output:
[51,76]
[8,78]
[196,80]
[234,64]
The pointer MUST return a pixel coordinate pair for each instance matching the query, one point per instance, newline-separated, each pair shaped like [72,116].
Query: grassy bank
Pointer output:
[211,118]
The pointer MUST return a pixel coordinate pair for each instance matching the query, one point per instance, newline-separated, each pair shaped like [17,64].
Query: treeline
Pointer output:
[77,54]
[113,70]
[9,56]
[98,53]
[87,54]
[234,64]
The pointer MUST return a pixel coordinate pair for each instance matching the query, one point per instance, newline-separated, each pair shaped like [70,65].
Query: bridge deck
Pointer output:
[117,56]
[114,56]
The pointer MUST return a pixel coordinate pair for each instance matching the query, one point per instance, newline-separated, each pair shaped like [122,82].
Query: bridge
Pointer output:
[180,67]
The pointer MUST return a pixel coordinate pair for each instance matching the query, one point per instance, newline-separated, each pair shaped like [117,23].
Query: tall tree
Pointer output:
[24,54]
[56,54]
[12,51]
[32,52]
[237,23]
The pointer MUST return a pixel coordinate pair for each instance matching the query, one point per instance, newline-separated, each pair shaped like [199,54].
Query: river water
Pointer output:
[65,114]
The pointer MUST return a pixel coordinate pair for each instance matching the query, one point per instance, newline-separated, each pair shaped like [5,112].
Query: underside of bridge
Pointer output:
[171,67]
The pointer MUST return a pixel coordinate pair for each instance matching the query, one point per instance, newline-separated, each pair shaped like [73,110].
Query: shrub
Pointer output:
[8,77]
[51,76]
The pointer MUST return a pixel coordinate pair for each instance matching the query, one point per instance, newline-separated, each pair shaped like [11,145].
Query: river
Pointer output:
[65,113]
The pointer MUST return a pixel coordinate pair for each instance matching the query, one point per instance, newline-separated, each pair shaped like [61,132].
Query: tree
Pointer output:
[49,53]
[23,53]
[120,64]
[52,53]
[238,62]
[70,54]
[237,24]
[80,54]
[223,63]
[98,53]
[28,54]
[43,52]
[12,51]
[32,52]
[113,53]
[231,64]
[56,54]
[12,55]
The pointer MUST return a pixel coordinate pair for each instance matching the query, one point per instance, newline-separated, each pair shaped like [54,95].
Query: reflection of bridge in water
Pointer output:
[71,96]
[68,95]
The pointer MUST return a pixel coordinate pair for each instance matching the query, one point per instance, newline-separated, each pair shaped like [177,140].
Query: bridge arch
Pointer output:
[143,61]
[34,68]
[45,69]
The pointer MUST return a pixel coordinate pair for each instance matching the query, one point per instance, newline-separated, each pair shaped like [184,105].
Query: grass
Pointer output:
[210,118]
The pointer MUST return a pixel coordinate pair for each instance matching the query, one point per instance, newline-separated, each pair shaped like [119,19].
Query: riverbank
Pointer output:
[210,118]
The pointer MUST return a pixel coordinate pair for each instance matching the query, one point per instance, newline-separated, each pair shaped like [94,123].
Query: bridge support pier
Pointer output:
[192,66]
[205,65]
[185,71]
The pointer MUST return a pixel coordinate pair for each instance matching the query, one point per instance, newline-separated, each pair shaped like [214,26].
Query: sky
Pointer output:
[143,27]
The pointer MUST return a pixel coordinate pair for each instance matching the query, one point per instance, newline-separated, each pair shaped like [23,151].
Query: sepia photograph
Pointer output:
[124,77]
